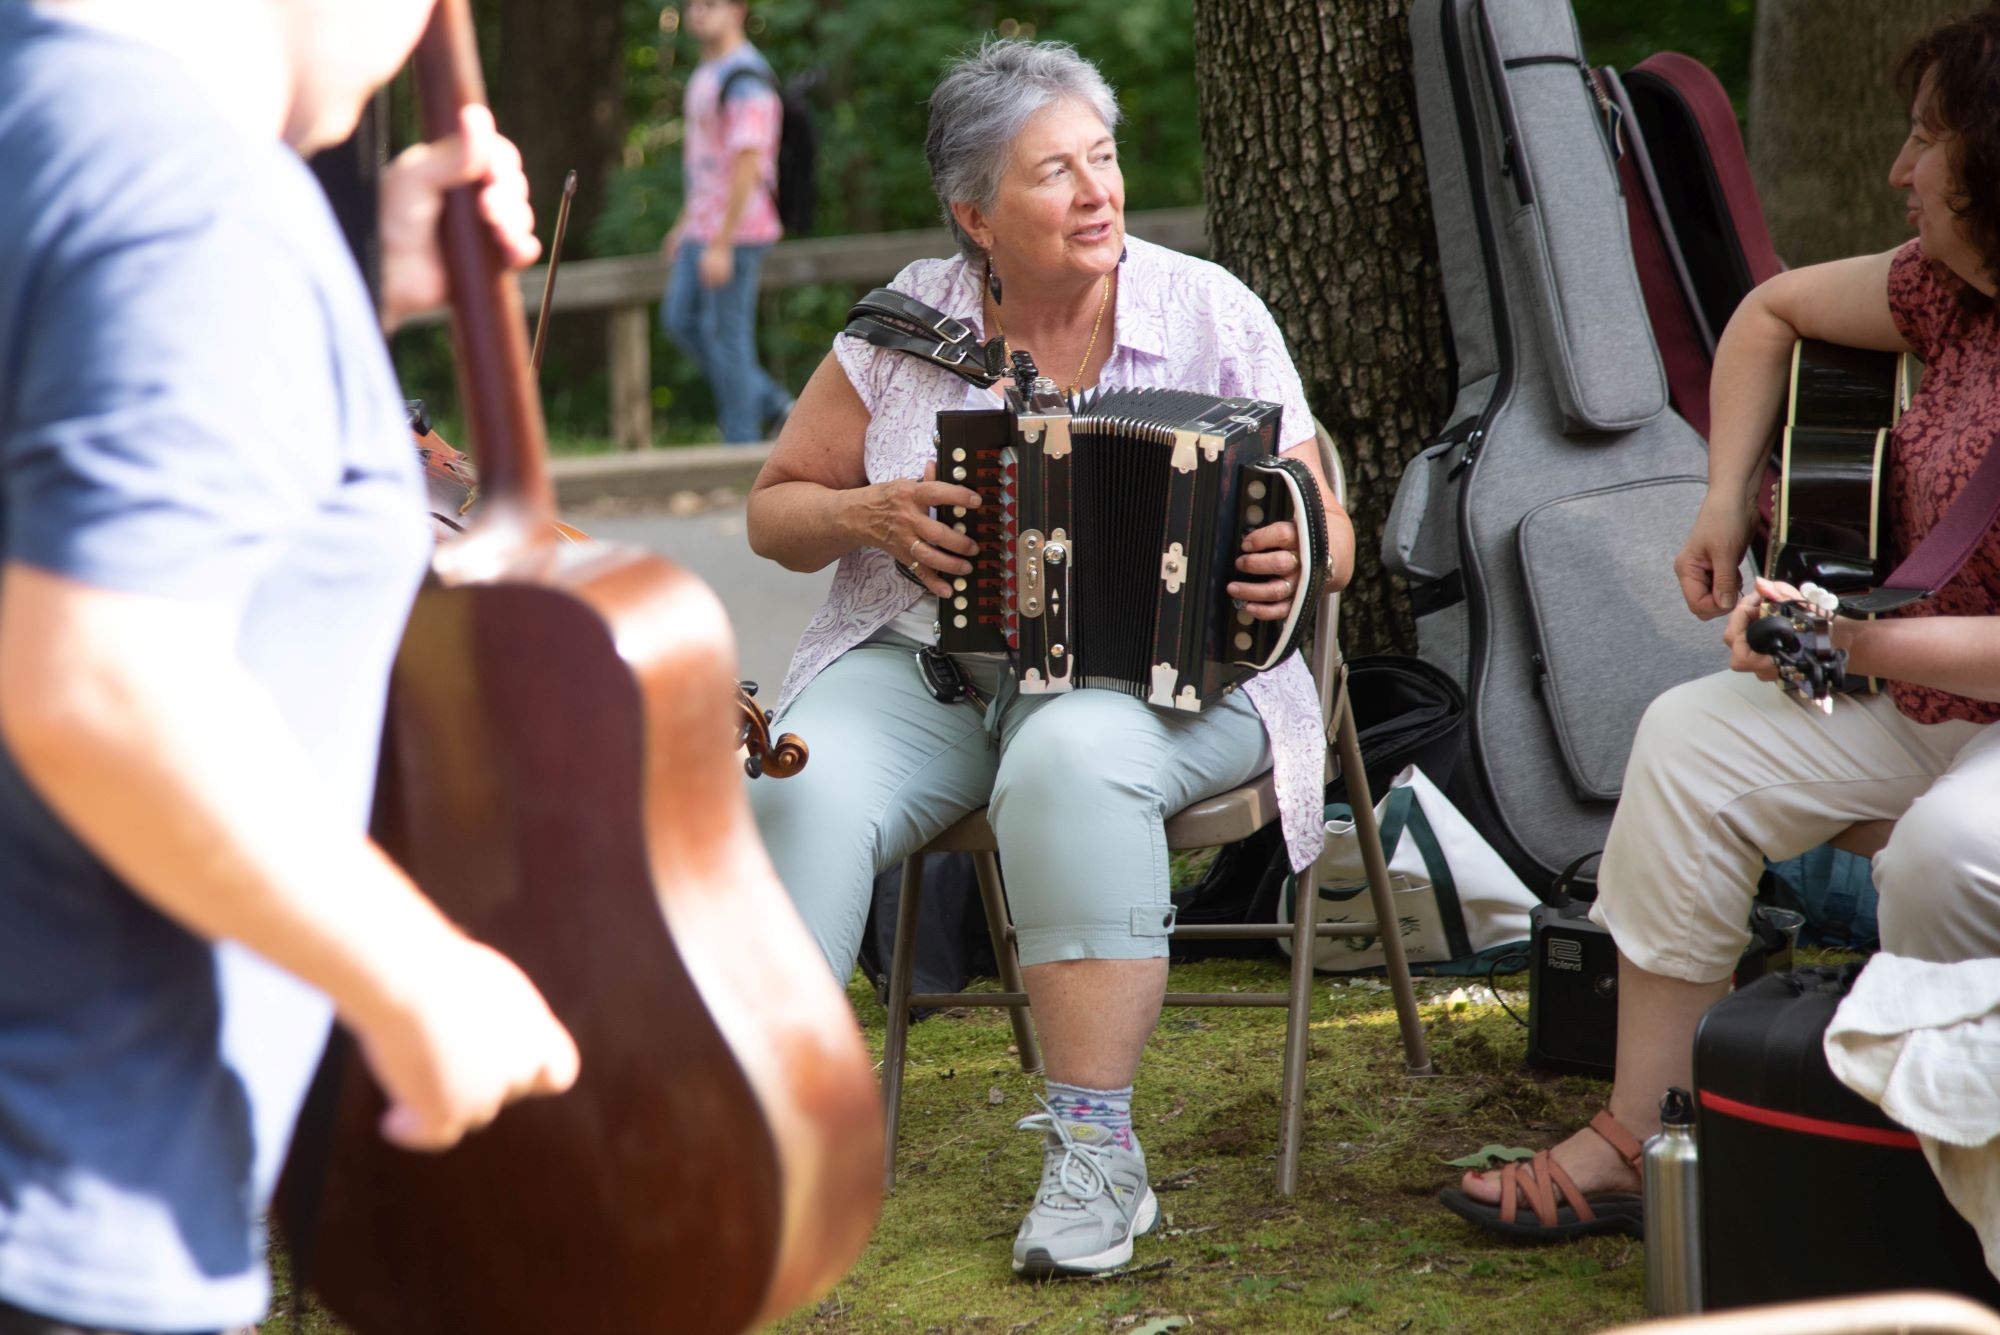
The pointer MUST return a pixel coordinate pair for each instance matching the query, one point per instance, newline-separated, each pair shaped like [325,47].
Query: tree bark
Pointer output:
[1825,121]
[1317,199]
[558,90]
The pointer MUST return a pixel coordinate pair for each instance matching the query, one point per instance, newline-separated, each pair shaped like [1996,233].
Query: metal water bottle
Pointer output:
[1673,1211]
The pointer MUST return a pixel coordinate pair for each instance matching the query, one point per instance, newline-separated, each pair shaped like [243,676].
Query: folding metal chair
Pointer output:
[1216,820]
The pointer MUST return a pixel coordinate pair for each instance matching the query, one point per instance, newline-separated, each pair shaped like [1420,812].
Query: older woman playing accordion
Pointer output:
[1078,784]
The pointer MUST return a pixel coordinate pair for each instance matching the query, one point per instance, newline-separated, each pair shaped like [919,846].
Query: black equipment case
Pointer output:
[1807,1189]
[1538,531]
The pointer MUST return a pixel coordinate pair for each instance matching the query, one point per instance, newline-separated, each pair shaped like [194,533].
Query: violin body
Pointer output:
[559,776]
[451,487]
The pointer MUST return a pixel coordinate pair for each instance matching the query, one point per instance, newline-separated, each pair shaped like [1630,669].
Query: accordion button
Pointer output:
[960,603]
[1254,515]
[1258,491]
[1244,618]
[958,512]
[958,584]
[1242,639]
[958,475]
[959,622]
[958,456]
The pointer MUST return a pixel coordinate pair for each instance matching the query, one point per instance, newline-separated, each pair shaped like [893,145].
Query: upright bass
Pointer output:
[558,774]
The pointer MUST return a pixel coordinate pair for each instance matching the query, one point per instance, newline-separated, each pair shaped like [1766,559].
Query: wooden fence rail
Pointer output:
[627,287]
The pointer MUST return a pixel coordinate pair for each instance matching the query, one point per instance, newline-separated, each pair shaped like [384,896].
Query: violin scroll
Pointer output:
[777,759]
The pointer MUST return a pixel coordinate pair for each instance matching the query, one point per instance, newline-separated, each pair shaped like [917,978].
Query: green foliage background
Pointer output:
[875,62]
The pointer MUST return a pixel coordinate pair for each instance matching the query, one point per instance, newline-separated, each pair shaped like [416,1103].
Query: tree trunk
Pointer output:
[1317,200]
[1825,121]
[558,88]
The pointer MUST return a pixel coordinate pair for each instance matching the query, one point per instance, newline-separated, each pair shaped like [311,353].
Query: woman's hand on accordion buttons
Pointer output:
[1273,574]
[896,516]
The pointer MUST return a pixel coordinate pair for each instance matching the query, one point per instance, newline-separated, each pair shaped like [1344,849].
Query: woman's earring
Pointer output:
[1124,253]
[993,282]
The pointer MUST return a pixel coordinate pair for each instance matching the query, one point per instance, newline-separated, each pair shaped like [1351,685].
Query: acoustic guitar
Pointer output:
[1827,507]
[1827,493]
[558,775]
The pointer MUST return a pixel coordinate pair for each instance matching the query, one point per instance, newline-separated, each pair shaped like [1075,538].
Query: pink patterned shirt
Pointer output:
[1951,422]
[716,132]
[1178,322]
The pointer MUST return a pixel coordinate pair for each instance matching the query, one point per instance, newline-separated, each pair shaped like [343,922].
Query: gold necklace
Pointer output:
[1103,302]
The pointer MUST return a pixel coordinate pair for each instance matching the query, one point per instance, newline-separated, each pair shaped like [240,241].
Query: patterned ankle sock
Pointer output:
[1108,1108]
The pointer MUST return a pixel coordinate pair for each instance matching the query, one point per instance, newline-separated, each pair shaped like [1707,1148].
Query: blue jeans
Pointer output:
[717,328]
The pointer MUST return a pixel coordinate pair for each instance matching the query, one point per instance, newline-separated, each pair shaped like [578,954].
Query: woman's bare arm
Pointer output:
[1846,301]
[1959,654]
[812,503]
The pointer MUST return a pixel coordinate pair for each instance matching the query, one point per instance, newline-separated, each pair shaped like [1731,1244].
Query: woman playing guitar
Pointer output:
[1728,771]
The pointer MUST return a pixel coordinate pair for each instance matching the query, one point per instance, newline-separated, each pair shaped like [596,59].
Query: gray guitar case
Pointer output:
[1538,532]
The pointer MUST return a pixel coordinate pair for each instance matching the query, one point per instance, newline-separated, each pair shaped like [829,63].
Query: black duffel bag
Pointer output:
[1407,712]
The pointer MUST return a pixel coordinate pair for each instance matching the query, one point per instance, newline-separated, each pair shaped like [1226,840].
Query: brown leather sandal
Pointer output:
[1555,1221]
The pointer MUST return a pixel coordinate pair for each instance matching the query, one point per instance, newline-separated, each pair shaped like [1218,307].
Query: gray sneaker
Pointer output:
[1093,1200]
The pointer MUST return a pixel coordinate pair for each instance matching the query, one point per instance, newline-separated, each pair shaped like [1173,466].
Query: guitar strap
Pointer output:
[888,319]
[1948,545]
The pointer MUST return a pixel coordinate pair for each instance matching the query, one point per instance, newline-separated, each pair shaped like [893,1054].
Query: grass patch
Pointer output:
[1363,1246]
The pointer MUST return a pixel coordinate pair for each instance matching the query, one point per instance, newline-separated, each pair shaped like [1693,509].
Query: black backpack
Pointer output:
[797,192]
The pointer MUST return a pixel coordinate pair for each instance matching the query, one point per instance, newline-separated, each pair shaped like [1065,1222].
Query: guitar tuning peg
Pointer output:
[1824,599]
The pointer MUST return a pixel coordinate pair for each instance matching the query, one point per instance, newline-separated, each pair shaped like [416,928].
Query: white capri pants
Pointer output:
[1727,771]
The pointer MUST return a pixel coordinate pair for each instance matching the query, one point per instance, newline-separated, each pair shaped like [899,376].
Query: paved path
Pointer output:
[767,604]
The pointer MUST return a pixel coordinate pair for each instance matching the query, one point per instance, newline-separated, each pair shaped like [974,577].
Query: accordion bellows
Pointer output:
[1109,530]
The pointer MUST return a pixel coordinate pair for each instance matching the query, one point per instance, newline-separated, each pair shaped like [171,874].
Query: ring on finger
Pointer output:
[914,543]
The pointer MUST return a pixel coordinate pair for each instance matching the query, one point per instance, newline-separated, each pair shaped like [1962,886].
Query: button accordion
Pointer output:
[1108,531]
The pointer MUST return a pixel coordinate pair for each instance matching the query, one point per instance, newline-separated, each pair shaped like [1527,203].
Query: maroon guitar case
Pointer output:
[1698,232]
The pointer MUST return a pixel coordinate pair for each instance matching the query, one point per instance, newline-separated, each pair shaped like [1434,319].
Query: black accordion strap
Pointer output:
[888,319]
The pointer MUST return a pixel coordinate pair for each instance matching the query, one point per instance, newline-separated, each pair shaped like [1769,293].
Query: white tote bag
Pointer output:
[1457,902]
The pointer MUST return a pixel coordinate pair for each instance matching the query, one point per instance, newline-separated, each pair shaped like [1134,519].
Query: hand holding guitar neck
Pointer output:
[1797,634]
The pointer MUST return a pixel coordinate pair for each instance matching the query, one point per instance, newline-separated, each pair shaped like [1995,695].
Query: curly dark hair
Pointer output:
[1961,62]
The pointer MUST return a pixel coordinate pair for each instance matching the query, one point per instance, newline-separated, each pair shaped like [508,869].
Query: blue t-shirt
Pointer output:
[196,404]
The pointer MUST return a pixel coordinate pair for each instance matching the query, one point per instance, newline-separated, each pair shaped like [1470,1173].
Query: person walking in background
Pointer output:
[728,219]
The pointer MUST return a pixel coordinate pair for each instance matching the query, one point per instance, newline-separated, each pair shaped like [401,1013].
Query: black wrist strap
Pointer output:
[888,319]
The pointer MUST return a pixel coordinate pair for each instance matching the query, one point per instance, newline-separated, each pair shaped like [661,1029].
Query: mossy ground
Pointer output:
[1363,1246]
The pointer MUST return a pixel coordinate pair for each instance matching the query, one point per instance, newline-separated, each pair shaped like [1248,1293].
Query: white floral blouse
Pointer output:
[1180,322]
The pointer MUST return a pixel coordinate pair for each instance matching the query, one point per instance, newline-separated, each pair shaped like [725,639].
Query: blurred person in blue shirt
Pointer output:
[211,529]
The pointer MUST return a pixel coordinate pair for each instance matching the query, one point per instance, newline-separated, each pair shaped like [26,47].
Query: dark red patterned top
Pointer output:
[1939,441]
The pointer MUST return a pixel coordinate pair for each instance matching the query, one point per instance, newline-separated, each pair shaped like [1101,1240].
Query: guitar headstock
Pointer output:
[1798,636]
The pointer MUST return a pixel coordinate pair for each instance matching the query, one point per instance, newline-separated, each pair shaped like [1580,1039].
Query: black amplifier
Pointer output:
[1573,981]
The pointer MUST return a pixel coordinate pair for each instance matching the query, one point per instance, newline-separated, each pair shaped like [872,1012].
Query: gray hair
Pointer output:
[988,97]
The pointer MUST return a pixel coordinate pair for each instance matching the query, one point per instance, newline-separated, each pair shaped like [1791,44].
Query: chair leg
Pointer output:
[993,898]
[1298,1021]
[895,1042]
[1416,1054]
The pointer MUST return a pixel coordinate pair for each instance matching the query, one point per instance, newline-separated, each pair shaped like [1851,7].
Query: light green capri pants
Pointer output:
[1077,788]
